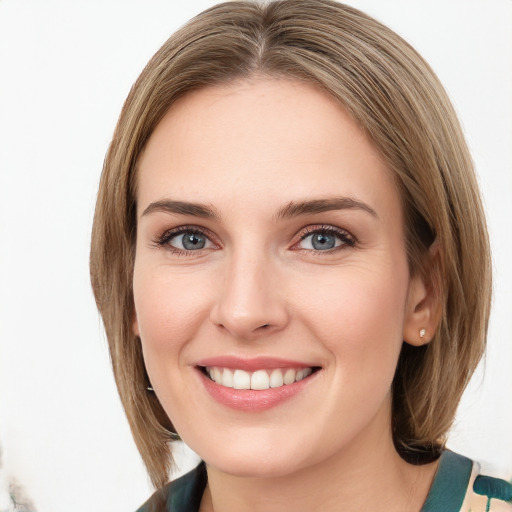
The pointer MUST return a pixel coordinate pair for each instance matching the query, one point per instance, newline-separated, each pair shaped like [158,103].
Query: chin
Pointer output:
[256,467]
[260,459]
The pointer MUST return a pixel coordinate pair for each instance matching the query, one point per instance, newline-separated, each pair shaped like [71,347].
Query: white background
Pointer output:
[65,69]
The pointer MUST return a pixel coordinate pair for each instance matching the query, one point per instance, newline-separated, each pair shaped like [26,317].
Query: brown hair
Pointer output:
[397,99]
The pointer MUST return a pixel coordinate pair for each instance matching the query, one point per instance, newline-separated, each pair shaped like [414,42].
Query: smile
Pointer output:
[258,380]
[255,384]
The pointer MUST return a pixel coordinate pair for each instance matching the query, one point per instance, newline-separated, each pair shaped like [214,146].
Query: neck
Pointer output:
[366,476]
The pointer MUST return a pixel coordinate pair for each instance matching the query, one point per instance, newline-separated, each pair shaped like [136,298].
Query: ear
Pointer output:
[423,307]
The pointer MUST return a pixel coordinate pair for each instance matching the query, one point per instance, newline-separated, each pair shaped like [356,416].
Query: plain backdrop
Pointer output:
[65,70]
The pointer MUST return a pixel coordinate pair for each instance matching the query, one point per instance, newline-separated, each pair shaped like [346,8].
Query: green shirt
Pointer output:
[457,487]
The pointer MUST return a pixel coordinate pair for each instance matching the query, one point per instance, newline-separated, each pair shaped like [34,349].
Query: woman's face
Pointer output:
[270,250]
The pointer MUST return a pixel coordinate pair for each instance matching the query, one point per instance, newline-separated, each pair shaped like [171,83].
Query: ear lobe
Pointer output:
[422,312]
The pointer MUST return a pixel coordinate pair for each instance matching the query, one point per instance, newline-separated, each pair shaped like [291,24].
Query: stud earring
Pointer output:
[422,333]
[149,388]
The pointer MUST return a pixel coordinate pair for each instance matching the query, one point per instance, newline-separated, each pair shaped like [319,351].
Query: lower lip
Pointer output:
[253,400]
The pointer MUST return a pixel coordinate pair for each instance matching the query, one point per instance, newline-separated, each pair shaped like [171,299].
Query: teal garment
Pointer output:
[450,484]
[447,493]
[181,495]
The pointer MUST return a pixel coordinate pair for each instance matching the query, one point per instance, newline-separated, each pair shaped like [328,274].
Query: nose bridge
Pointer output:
[248,302]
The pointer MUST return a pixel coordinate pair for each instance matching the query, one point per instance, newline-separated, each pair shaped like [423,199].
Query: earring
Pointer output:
[149,388]
[422,333]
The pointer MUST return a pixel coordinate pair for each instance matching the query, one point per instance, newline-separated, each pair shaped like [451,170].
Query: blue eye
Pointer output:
[192,241]
[325,240]
[186,240]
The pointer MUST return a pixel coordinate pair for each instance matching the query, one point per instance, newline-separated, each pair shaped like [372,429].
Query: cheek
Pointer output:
[359,315]
[169,310]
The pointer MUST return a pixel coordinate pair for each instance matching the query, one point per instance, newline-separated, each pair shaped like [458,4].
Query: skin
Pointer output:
[247,150]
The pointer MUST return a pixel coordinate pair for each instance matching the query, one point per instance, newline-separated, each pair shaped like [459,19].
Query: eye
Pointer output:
[185,240]
[189,241]
[325,239]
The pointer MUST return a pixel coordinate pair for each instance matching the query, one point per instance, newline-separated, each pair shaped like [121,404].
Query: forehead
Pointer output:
[267,139]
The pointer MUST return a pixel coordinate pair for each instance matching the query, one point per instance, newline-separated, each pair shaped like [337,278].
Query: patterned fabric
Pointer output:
[457,487]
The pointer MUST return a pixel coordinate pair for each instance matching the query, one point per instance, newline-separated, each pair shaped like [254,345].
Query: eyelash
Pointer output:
[163,241]
[347,240]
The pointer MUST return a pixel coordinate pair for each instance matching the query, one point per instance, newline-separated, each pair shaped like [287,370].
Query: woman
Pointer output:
[291,260]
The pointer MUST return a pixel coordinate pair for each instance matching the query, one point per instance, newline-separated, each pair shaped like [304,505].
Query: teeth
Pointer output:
[258,380]
[303,373]
[217,375]
[289,376]
[227,378]
[276,379]
[241,380]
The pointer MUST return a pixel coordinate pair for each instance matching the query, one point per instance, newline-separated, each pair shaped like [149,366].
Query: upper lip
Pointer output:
[252,364]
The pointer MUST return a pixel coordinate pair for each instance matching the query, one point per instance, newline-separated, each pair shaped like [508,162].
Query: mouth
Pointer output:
[255,384]
[259,380]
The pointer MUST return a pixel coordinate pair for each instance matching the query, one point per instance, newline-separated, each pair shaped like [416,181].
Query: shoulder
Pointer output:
[181,495]
[460,487]
[488,493]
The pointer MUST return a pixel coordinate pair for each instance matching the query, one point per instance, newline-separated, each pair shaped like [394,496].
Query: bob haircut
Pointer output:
[395,97]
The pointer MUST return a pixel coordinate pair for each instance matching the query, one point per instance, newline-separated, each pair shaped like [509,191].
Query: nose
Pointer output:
[250,303]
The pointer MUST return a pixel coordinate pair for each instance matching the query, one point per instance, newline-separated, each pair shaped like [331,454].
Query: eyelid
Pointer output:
[162,241]
[345,236]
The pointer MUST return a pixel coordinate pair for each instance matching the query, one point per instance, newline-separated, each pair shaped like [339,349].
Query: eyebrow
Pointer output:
[182,208]
[296,208]
[292,209]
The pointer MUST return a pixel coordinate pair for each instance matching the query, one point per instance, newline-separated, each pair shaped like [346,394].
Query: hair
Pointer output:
[393,94]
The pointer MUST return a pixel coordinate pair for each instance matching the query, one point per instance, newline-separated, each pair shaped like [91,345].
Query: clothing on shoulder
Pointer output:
[458,486]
